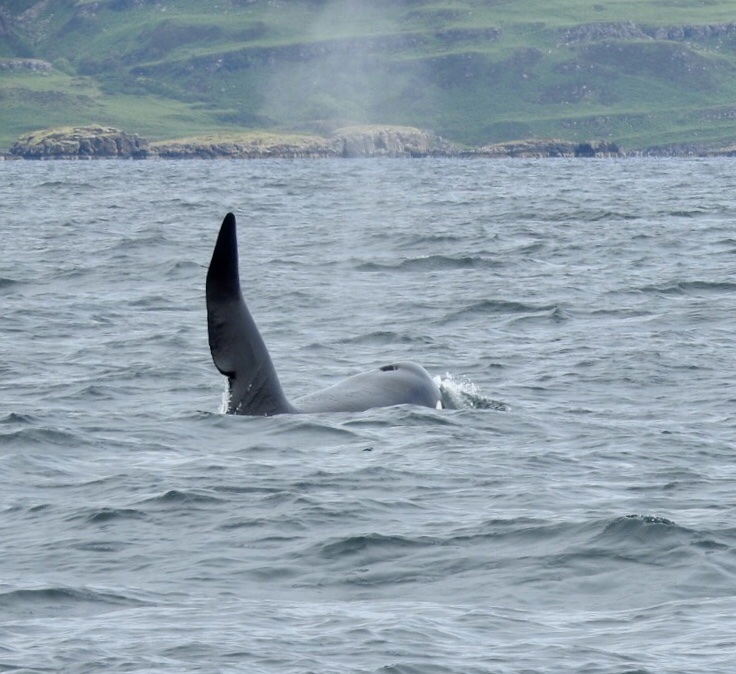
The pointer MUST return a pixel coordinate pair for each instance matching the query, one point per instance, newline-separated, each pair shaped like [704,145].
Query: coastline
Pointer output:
[365,141]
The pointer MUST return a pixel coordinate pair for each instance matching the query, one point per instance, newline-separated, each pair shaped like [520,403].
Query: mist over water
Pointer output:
[340,75]
[576,514]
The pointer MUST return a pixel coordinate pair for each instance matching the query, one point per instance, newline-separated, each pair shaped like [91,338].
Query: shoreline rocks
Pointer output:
[351,142]
[83,142]
[378,141]
[101,142]
[537,149]
[256,147]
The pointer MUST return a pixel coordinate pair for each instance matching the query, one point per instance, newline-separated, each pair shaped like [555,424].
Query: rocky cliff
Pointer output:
[34,65]
[243,146]
[547,148]
[98,142]
[362,141]
[86,142]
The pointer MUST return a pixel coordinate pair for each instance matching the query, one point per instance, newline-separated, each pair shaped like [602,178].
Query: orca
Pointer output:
[239,353]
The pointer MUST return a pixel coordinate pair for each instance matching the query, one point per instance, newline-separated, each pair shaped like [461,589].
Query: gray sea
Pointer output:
[576,513]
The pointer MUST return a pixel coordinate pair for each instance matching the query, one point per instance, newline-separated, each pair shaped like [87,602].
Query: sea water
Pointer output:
[576,513]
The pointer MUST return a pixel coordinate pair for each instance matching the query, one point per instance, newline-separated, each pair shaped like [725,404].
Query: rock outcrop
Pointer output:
[98,142]
[547,148]
[390,141]
[726,149]
[359,141]
[243,146]
[34,65]
[628,30]
[84,142]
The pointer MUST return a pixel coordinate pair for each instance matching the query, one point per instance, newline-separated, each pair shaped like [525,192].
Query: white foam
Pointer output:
[225,402]
[460,393]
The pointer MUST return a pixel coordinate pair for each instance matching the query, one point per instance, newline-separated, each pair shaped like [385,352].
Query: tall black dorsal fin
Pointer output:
[236,345]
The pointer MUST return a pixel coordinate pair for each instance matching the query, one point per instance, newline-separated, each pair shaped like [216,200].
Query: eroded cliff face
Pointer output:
[541,148]
[95,142]
[255,146]
[362,141]
[85,142]
[100,142]
[390,141]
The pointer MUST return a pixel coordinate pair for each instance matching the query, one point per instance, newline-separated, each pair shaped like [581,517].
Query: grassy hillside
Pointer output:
[637,72]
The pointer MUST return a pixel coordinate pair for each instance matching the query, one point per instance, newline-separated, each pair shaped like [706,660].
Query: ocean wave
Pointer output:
[185,269]
[382,338]
[550,312]
[430,263]
[371,544]
[18,418]
[62,600]
[189,497]
[106,515]
[688,287]
[6,283]
[24,437]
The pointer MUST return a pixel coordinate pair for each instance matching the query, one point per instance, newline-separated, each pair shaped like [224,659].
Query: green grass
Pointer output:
[31,101]
[193,67]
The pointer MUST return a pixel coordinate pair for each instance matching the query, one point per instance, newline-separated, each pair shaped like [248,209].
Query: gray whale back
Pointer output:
[239,353]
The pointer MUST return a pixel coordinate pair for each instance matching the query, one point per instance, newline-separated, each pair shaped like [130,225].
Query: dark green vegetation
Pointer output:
[637,72]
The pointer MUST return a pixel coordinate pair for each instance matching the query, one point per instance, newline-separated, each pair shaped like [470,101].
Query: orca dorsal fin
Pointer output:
[236,345]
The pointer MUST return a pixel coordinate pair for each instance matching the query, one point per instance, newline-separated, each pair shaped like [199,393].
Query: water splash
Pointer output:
[459,393]
[225,402]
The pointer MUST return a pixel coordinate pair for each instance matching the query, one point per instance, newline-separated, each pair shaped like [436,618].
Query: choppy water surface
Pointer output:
[578,517]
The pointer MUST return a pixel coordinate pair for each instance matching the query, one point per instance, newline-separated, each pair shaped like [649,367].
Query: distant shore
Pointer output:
[100,142]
